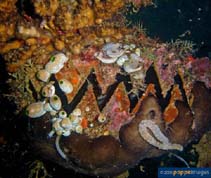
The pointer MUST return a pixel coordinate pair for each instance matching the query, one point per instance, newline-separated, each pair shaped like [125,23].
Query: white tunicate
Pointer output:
[79,129]
[134,56]
[53,67]
[35,110]
[76,112]
[101,118]
[59,132]
[62,114]
[65,86]
[76,120]
[126,47]
[130,67]
[66,133]
[66,123]
[138,51]
[91,125]
[54,119]
[57,126]
[121,60]
[43,75]
[56,63]
[132,46]
[87,109]
[61,57]
[140,75]
[134,64]
[48,90]
[53,112]
[113,50]
[47,107]
[55,102]
[105,59]
[51,133]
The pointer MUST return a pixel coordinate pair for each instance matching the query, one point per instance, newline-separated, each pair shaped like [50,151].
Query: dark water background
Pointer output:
[166,20]
[169,19]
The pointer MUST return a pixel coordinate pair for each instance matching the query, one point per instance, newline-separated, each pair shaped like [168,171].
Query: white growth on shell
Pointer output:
[57,127]
[121,60]
[132,46]
[110,53]
[43,75]
[139,75]
[66,123]
[79,129]
[113,50]
[47,107]
[35,110]
[62,114]
[161,141]
[138,51]
[66,133]
[54,67]
[53,112]
[105,59]
[129,68]
[135,57]
[56,124]
[48,90]
[76,112]
[134,64]
[51,133]
[102,118]
[65,86]
[54,119]
[61,57]
[55,102]
[76,120]
[56,63]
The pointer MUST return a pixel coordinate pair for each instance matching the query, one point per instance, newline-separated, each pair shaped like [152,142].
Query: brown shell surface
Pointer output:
[118,155]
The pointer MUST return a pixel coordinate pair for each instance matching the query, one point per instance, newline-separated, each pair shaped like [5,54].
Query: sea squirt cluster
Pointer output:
[61,124]
[126,56]
[123,55]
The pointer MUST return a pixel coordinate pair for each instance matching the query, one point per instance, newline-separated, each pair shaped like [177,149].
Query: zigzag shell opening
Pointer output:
[117,112]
